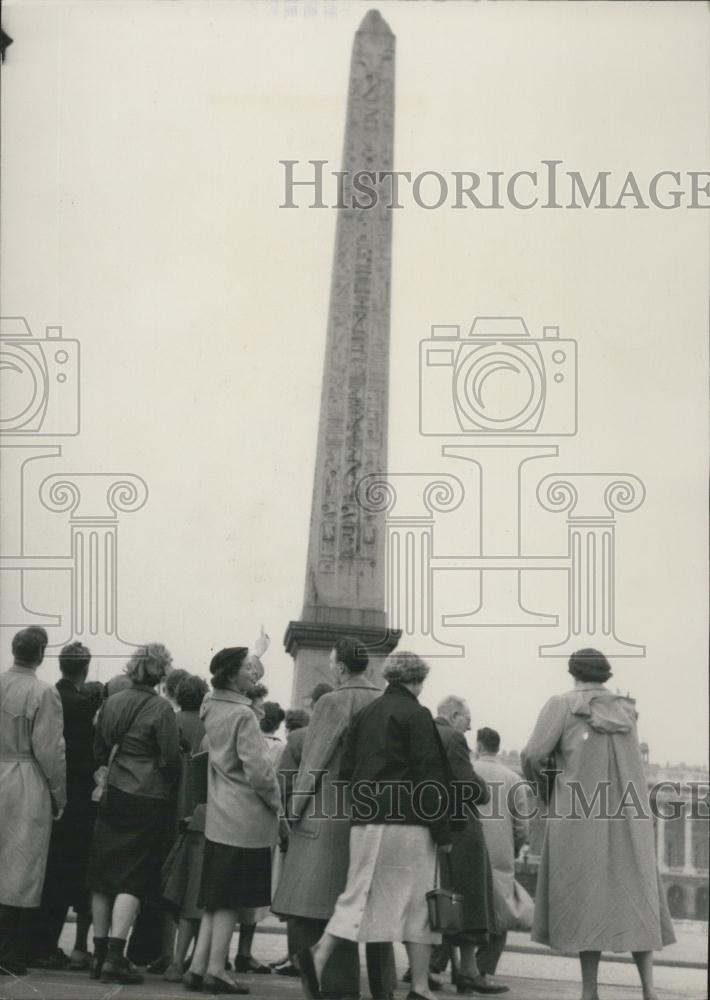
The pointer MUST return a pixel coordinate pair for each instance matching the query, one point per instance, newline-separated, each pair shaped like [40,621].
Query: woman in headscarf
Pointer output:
[598,886]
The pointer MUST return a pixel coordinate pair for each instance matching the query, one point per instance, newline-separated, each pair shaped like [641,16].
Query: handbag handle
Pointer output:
[436,867]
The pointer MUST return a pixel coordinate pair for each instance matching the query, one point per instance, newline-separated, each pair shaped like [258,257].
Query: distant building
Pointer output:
[682,841]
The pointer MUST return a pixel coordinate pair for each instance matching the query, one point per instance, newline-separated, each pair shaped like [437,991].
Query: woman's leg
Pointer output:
[117,968]
[246,939]
[101,914]
[187,929]
[419,956]
[322,950]
[201,954]
[123,916]
[589,961]
[469,965]
[185,933]
[223,924]
[644,964]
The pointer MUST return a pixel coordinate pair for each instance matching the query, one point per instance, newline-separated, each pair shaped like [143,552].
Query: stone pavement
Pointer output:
[530,977]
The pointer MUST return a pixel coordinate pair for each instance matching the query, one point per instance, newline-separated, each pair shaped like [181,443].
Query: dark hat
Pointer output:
[231,657]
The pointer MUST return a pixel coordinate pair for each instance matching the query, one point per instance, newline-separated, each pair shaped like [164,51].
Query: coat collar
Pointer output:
[226,694]
[143,687]
[394,687]
[358,681]
[441,721]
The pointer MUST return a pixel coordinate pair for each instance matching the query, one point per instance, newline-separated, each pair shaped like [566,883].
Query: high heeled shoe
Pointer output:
[215,984]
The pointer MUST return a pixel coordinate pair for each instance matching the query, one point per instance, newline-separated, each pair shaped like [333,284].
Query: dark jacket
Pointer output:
[459,759]
[467,868]
[396,766]
[78,709]
[148,762]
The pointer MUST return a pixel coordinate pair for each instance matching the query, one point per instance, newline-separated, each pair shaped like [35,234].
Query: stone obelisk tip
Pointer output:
[373,23]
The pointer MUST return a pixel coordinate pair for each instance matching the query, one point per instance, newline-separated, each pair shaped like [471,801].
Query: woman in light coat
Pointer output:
[242,820]
[598,886]
[32,788]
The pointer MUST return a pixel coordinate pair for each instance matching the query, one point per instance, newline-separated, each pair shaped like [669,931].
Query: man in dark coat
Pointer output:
[65,881]
[471,872]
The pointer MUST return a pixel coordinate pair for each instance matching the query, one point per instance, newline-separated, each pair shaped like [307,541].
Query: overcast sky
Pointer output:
[141,193]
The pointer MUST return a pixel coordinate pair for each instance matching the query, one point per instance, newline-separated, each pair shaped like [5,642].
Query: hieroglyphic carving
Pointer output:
[345,568]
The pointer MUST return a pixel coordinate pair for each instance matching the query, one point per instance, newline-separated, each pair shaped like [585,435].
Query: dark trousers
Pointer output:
[341,975]
[15,923]
[65,876]
[488,955]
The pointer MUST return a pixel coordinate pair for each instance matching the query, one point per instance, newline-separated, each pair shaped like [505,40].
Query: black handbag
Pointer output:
[445,906]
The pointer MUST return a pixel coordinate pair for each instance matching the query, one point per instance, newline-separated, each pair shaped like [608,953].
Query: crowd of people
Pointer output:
[167,813]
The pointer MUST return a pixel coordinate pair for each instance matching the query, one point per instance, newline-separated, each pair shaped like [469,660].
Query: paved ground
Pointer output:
[530,977]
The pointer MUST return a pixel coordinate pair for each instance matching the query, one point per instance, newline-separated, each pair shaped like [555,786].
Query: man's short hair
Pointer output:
[28,645]
[489,739]
[448,706]
[74,660]
[352,654]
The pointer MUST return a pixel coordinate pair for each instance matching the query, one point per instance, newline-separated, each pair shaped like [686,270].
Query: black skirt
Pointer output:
[131,840]
[235,877]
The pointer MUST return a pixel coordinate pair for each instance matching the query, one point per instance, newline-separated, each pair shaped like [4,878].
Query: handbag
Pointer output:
[445,906]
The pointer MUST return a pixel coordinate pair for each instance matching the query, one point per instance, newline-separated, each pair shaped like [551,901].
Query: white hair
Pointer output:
[450,705]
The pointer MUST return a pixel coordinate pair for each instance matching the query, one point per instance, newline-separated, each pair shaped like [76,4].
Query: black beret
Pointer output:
[231,657]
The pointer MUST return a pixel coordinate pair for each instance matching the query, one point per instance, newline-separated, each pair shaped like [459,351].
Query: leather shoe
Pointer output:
[477,984]
[214,984]
[120,972]
[247,964]
[96,966]
[191,981]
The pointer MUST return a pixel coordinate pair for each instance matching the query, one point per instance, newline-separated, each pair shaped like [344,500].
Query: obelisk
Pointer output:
[344,591]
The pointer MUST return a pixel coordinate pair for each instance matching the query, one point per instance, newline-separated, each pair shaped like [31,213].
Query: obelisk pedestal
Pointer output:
[344,591]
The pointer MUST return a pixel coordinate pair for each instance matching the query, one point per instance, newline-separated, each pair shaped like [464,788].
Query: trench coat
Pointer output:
[316,864]
[505,828]
[598,886]
[32,782]
[243,797]
[471,872]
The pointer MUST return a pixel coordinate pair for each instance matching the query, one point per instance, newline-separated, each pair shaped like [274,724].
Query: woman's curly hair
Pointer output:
[402,667]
